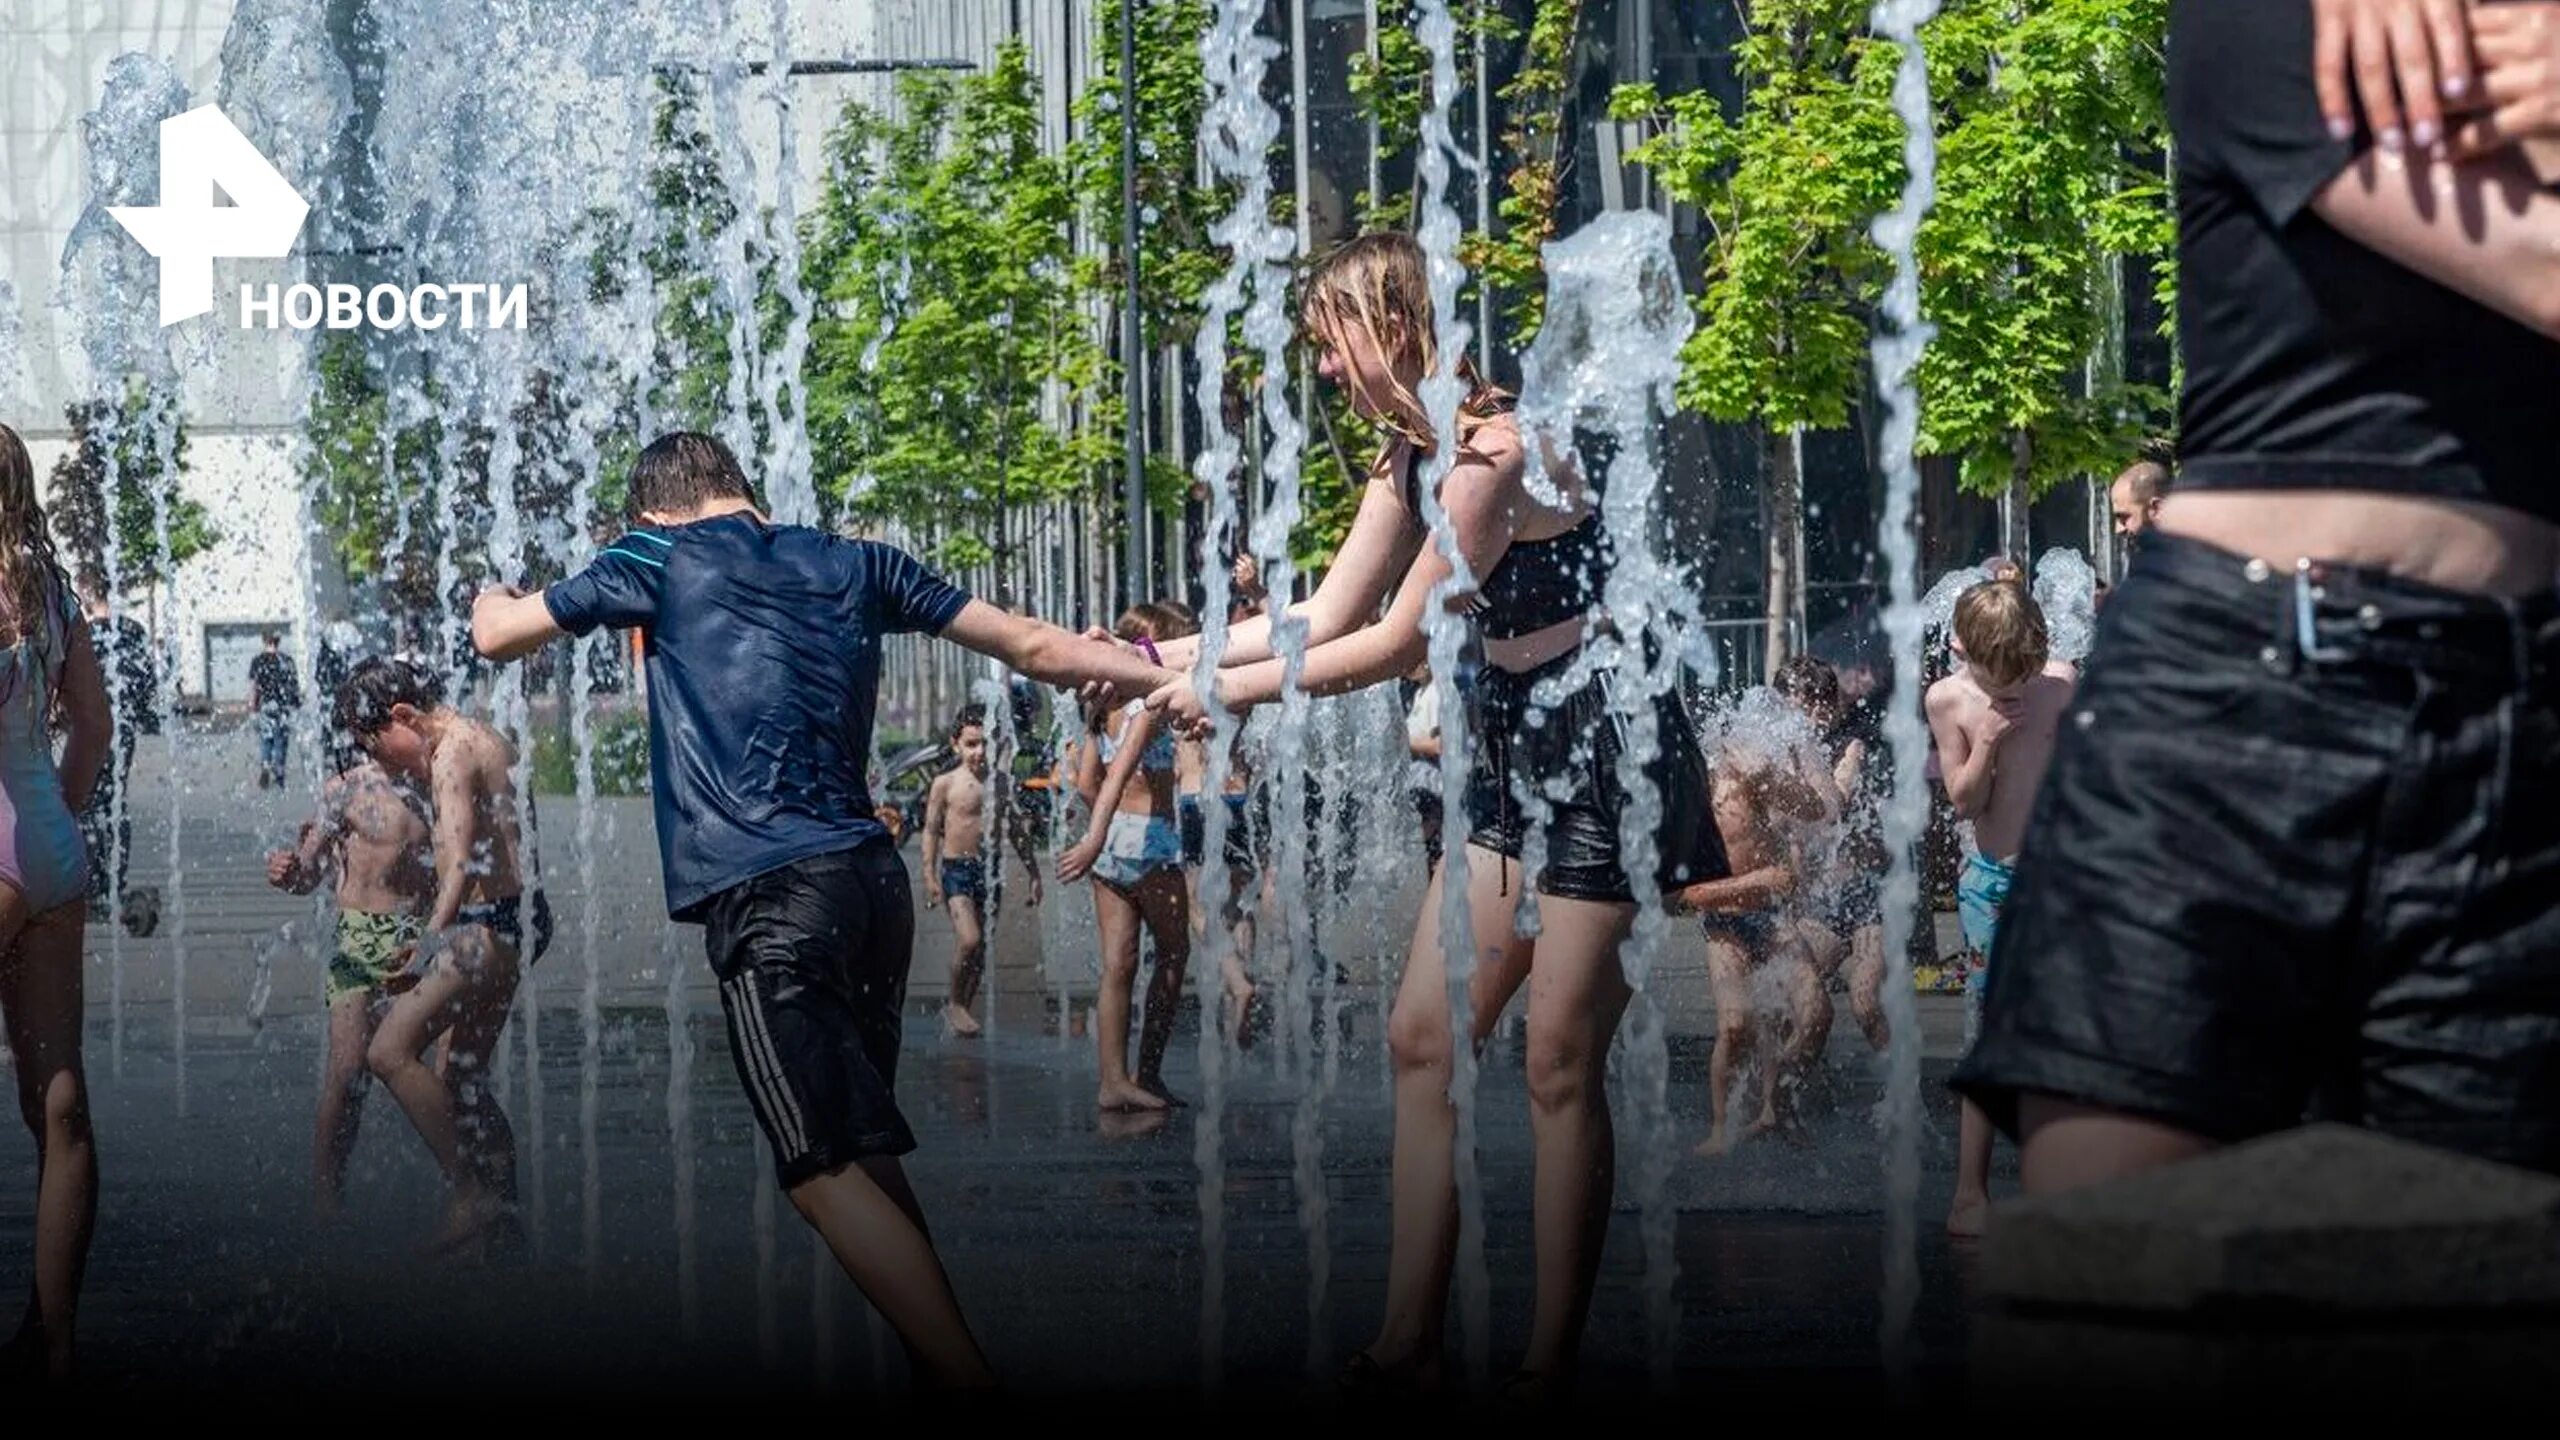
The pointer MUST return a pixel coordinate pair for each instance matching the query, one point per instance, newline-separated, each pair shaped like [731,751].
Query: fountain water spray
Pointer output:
[680,1055]
[1441,394]
[1605,363]
[789,482]
[1238,129]
[2066,589]
[112,287]
[1898,349]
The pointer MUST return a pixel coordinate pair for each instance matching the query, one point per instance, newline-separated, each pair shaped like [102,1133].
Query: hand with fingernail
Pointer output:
[2408,64]
[2518,46]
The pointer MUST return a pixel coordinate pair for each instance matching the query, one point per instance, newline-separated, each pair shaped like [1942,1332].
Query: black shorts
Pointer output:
[812,960]
[1248,821]
[1755,931]
[1569,757]
[505,920]
[2266,880]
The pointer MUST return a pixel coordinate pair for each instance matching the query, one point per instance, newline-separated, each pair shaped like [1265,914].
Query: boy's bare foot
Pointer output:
[1154,1085]
[1719,1142]
[1130,1124]
[960,1022]
[1128,1095]
[1969,1217]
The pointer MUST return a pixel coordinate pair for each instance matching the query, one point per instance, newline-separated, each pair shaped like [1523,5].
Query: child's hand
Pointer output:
[406,978]
[282,867]
[933,894]
[1079,859]
[1999,721]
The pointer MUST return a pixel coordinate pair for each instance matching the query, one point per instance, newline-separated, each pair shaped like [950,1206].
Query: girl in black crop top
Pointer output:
[1368,306]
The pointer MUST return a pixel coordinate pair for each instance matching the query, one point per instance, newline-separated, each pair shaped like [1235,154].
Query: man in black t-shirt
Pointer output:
[2295,855]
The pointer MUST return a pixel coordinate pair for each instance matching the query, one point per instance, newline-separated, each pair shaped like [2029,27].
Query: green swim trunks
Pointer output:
[369,951]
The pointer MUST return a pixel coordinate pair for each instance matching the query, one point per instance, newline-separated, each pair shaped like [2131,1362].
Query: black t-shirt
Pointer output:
[2313,362]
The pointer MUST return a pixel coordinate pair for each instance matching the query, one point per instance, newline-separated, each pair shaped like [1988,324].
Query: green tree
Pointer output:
[1511,258]
[372,484]
[1787,187]
[951,343]
[2051,118]
[141,440]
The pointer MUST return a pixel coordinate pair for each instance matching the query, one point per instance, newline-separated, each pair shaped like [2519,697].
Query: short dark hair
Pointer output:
[683,471]
[969,715]
[1809,681]
[272,638]
[365,698]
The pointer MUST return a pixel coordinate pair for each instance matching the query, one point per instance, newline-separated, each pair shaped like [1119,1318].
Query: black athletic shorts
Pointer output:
[2298,856]
[812,960]
[1569,756]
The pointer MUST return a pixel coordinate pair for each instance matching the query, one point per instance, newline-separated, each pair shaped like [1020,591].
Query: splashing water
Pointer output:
[1441,394]
[2066,589]
[1605,362]
[680,1055]
[111,288]
[15,385]
[1238,128]
[1899,345]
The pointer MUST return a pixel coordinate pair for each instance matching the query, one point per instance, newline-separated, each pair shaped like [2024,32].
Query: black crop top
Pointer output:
[1538,583]
[2311,361]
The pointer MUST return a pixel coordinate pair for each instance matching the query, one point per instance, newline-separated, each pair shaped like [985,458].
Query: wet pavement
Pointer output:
[660,1261]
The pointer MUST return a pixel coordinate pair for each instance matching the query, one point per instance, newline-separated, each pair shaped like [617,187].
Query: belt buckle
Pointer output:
[2306,630]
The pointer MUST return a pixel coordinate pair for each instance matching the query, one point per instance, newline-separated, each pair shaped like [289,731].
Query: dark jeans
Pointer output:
[2298,854]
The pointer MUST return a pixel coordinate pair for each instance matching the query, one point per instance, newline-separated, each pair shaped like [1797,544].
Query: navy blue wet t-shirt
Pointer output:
[763,646]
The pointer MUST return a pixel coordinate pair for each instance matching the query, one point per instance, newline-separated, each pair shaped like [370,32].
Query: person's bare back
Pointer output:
[478,825]
[1993,748]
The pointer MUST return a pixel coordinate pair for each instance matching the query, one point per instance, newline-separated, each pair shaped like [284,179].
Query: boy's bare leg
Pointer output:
[2064,1145]
[342,1087]
[1971,1211]
[873,1224]
[1809,1014]
[449,991]
[968,964]
[1729,967]
[488,1141]
[1866,986]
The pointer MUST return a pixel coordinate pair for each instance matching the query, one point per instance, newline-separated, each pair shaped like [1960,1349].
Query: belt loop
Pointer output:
[2306,618]
[2279,654]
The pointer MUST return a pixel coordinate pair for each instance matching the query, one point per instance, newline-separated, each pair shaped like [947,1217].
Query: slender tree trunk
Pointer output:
[2022,457]
[1782,495]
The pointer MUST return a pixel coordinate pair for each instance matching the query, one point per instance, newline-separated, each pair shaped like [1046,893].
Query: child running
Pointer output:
[372,839]
[955,873]
[1994,721]
[763,649]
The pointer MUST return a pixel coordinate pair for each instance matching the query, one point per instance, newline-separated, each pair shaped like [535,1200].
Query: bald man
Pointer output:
[2135,497]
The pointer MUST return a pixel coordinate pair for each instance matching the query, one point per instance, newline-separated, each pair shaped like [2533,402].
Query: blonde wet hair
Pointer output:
[2002,630]
[1379,285]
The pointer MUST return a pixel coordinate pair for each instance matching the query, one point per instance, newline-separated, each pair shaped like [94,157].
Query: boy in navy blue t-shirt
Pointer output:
[763,653]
